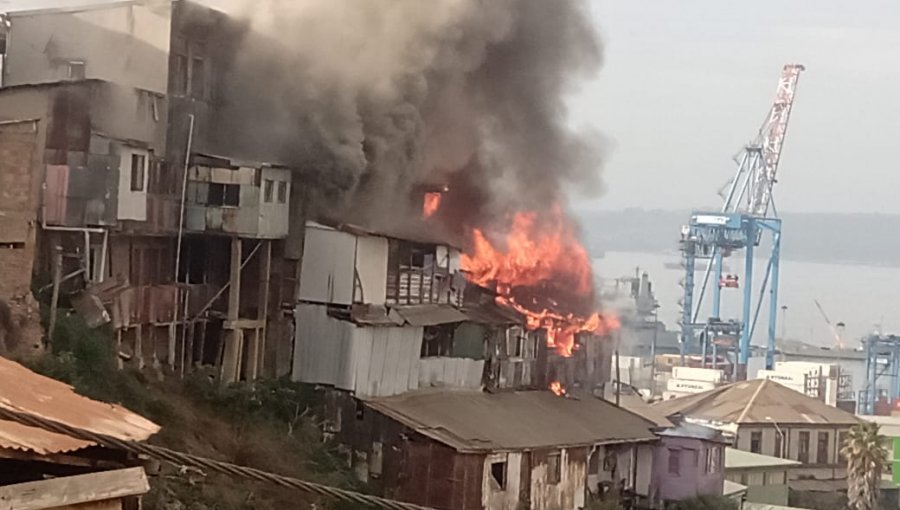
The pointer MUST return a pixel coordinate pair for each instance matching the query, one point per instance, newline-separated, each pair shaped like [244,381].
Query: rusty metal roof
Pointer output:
[475,421]
[429,315]
[25,391]
[757,401]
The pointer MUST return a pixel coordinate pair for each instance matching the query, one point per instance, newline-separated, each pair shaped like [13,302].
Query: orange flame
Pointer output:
[558,389]
[548,258]
[431,204]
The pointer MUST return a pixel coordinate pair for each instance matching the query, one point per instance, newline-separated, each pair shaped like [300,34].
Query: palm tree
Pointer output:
[866,458]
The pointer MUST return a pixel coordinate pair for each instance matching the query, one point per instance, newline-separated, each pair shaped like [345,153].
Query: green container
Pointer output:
[895,463]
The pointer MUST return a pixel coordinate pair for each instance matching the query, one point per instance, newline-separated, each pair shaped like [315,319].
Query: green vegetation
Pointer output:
[866,459]
[271,425]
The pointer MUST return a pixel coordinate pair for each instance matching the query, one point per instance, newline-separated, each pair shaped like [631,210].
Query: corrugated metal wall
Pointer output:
[371,267]
[452,372]
[370,361]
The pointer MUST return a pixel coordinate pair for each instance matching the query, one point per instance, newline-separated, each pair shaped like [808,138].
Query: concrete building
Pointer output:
[767,418]
[765,477]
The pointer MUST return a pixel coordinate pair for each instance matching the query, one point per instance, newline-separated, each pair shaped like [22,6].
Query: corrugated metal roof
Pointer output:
[757,401]
[475,421]
[25,391]
[694,431]
[430,315]
[739,459]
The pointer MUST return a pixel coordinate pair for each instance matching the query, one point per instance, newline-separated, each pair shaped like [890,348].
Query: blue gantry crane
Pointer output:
[747,214]
[882,371]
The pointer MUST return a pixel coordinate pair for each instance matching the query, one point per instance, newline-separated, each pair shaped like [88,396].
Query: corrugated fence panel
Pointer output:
[321,344]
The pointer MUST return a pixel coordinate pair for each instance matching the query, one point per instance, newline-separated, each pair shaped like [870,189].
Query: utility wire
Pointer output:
[183,459]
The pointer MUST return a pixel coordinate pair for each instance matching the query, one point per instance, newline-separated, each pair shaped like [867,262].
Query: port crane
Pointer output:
[748,212]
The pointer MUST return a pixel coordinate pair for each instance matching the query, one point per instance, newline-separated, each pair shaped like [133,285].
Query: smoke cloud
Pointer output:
[374,100]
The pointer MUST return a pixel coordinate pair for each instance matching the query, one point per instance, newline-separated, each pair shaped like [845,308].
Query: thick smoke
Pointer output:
[376,100]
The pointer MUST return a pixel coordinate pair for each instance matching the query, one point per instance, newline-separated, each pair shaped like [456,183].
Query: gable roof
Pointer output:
[756,401]
[25,391]
[475,421]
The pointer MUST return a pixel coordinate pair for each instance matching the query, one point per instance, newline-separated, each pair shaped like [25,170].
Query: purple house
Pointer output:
[688,461]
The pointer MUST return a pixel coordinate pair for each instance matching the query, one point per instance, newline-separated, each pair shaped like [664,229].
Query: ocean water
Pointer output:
[865,298]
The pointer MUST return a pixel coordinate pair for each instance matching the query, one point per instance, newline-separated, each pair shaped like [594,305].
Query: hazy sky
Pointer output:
[686,83]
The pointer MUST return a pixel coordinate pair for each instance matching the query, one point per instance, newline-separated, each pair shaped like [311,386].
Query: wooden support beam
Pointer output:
[54,300]
[265,277]
[231,358]
[74,490]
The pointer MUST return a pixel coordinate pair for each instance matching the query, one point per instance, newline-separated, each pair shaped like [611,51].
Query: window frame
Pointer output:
[803,447]
[673,462]
[554,467]
[139,184]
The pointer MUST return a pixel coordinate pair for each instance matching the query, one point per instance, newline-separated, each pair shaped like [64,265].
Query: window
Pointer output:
[198,78]
[674,462]
[138,169]
[778,446]
[842,438]
[180,75]
[268,187]
[554,468]
[822,448]
[282,192]
[224,194]
[498,474]
[708,463]
[360,410]
[756,442]
[75,70]
[803,448]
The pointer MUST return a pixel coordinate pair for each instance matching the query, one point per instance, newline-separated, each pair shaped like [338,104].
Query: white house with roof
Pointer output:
[765,477]
[767,418]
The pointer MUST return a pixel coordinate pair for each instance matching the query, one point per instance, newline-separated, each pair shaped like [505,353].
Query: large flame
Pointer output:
[544,273]
[558,389]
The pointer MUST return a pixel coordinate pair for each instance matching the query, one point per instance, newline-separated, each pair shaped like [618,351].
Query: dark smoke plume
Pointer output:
[374,99]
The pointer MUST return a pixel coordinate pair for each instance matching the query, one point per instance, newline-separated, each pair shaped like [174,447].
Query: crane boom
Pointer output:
[771,140]
[838,342]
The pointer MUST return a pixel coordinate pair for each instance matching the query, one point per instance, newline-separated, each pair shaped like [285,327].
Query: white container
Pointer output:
[807,367]
[683,386]
[785,378]
[698,374]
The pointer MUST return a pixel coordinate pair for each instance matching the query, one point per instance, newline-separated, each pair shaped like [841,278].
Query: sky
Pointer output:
[686,84]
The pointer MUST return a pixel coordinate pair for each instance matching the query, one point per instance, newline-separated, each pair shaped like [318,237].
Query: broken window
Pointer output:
[554,468]
[180,75]
[756,442]
[268,190]
[498,474]
[437,340]
[674,462]
[138,169]
[360,410]
[75,70]
[198,78]
[224,194]
[282,192]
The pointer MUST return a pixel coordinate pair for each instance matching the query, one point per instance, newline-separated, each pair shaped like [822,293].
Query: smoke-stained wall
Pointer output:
[372,99]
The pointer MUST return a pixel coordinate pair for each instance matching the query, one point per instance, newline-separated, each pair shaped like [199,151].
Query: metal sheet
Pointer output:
[478,421]
[758,401]
[327,270]
[450,372]
[24,390]
[371,268]
[430,315]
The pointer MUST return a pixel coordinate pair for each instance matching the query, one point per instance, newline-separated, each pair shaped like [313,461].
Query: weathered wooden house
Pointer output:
[179,247]
[469,449]
[44,470]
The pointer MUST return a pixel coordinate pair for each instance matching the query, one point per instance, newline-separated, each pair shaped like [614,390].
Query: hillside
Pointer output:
[271,426]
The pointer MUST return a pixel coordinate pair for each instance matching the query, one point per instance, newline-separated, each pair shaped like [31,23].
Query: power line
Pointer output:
[183,459]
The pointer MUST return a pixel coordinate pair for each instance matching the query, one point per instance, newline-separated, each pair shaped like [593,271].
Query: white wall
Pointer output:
[568,494]
[370,361]
[494,497]
[450,372]
[132,204]
[328,266]
[371,267]
[273,215]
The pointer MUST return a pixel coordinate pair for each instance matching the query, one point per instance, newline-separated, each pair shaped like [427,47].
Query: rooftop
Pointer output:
[757,401]
[739,459]
[25,391]
[475,421]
